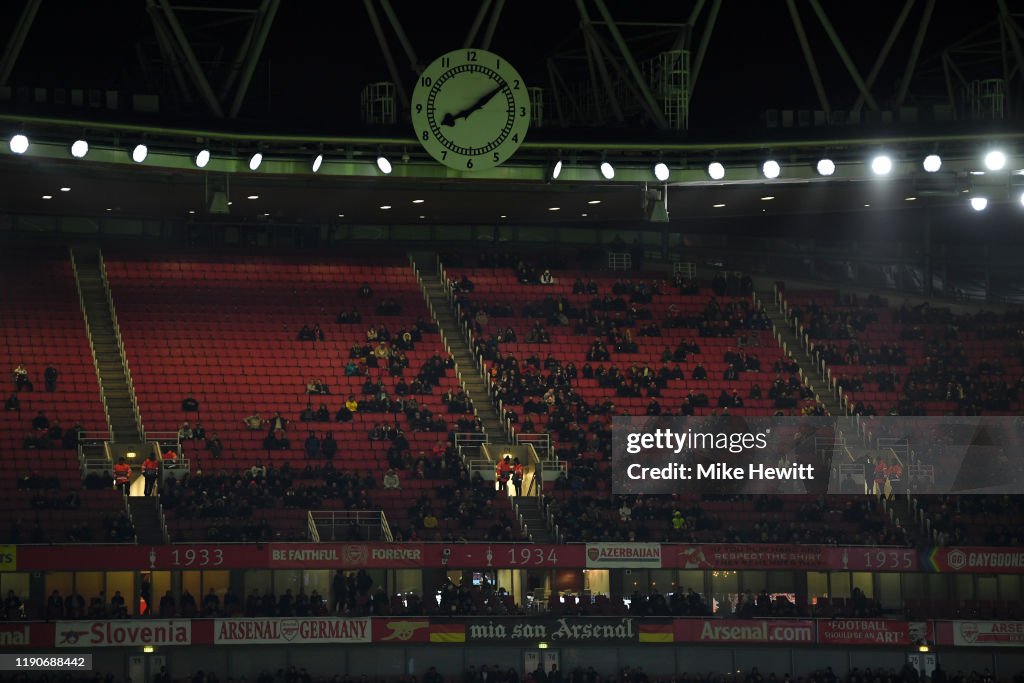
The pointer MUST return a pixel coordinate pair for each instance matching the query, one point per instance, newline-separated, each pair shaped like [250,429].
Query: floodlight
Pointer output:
[995,160]
[881,165]
[19,144]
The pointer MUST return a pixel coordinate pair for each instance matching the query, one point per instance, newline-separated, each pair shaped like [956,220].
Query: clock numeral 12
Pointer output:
[471,55]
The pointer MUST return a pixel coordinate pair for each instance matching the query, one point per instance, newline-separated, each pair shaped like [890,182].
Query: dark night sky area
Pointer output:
[318,59]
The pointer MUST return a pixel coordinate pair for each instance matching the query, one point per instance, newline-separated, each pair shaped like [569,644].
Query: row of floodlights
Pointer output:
[80,148]
[881,165]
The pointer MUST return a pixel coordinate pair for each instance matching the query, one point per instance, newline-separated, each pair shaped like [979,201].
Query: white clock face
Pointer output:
[470,110]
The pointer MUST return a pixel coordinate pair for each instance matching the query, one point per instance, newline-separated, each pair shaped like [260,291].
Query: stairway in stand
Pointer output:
[110,364]
[784,329]
[148,520]
[465,363]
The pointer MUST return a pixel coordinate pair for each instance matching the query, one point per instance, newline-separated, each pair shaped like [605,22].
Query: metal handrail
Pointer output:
[375,519]
[92,348]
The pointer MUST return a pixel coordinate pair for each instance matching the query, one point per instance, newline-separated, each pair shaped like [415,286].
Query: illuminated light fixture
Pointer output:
[594,201]
[583,215]
[922,648]
[255,160]
[771,169]
[555,170]
[826,167]
[148,649]
[607,170]
[932,163]
[542,646]
[318,161]
[910,199]
[718,206]
[1022,198]
[866,205]
[253,196]
[202,158]
[79,148]
[554,208]
[131,455]
[881,165]
[716,171]
[385,207]
[65,189]
[19,144]
[383,165]
[191,211]
[341,215]
[140,153]
[422,216]
[502,216]
[47,196]
[417,201]
[661,171]
[995,160]
[979,203]
[976,172]
[767,198]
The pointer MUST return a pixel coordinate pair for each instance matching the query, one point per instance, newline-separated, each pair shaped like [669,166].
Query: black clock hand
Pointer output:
[449,119]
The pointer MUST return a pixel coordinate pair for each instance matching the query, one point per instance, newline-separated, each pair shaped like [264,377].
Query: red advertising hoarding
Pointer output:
[726,631]
[25,635]
[981,633]
[874,632]
[977,560]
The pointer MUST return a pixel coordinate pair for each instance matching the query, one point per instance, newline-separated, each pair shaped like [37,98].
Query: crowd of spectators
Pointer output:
[945,370]
[593,516]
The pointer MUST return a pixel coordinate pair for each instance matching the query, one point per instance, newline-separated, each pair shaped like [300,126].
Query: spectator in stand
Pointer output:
[365,292]
[214,445]
[50,378]
[40,423]
[13,403]
[391,480]
[185,432]
[150,473]
[312,446]
[328,446]
[21,379]
[122,475]
[253,422]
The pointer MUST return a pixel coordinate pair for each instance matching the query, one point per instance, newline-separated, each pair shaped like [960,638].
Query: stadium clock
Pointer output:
[470,110]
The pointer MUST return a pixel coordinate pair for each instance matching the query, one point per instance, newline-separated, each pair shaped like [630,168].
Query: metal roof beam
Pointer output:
[21,30]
